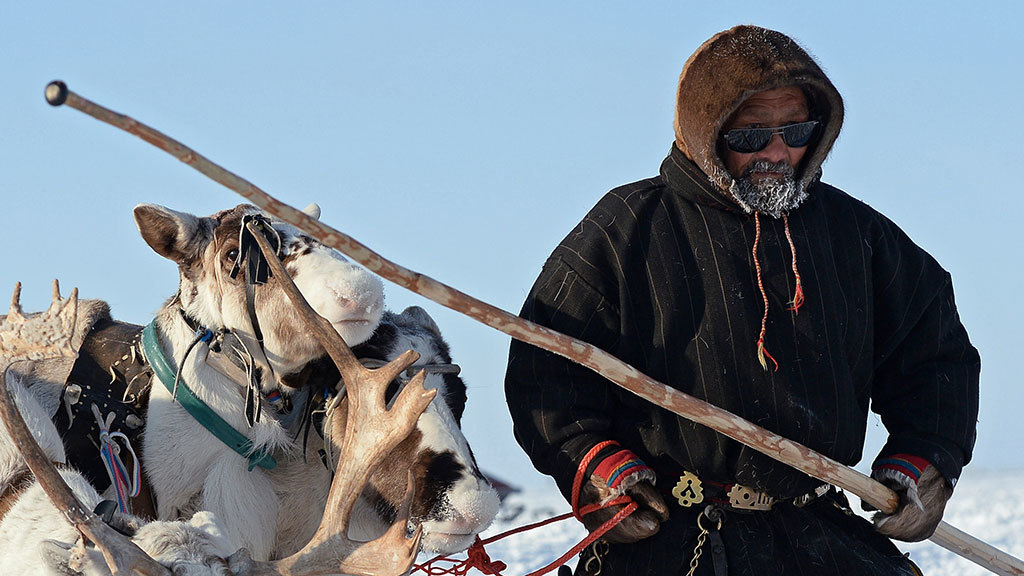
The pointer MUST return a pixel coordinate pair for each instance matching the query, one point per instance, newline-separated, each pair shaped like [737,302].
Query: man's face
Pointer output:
[768,109]
[765,180]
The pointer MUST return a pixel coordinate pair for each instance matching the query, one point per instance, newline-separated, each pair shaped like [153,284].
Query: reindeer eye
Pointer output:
[232,254]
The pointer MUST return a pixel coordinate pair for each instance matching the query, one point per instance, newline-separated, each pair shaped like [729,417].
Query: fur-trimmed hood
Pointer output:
[728,69]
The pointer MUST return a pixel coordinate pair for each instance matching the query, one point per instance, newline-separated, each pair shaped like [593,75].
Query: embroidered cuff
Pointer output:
[622,470]
[905,464]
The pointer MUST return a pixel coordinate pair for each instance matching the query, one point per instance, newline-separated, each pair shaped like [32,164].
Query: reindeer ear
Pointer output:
[57,556]
[174,235]
[313,211]
[420,316]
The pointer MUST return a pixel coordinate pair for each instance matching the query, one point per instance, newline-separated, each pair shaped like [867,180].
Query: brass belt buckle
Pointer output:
[743,498]
[688,490]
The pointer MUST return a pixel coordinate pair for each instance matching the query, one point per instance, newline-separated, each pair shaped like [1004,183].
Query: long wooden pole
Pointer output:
[622,374]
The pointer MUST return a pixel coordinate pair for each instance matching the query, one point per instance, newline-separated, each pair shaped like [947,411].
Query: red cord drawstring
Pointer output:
[476,556]
[762,352]
[798,292]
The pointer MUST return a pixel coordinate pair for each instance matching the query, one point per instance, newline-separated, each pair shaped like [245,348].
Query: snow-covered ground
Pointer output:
[987,505]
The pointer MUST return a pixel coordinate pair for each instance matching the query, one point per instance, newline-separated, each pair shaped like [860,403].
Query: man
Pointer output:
[738,277]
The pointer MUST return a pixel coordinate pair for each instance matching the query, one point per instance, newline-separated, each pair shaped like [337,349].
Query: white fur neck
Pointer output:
[218,382]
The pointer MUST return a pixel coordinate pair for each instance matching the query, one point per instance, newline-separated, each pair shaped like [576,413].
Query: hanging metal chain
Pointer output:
[594,564]
[713,515]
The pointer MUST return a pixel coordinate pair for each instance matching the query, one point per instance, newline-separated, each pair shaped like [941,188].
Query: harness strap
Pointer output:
[257,272]
[197,408]
[411,371]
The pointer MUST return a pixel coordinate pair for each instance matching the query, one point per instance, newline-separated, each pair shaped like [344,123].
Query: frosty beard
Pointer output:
[771,196]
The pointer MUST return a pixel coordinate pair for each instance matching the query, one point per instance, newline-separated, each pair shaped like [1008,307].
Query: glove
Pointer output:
[923,494]
[623,473]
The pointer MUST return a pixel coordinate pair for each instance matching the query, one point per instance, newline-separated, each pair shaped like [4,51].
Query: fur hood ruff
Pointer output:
[728,69]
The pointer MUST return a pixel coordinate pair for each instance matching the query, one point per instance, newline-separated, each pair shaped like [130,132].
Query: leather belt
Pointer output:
[691,490]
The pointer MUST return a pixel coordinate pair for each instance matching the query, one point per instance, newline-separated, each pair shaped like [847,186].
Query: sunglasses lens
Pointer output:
[798,135]
[748,140]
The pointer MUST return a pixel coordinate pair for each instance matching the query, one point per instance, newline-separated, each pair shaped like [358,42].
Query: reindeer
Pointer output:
[256,367]
[372,431]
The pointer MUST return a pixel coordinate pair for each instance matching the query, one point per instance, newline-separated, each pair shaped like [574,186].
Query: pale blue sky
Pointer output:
[463,140]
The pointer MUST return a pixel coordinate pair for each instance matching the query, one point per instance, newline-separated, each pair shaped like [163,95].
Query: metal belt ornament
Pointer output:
[747,499]
[689,491]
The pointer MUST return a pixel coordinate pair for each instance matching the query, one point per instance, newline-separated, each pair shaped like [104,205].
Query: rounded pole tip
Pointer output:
[56,93]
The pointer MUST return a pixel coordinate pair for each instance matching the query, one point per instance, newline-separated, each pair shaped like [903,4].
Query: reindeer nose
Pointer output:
[364,303]
[473,505]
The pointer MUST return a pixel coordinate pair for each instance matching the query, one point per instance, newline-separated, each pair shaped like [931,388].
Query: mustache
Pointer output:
[782,167]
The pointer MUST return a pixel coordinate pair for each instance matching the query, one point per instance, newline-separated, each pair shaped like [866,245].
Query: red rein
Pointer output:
[477,558]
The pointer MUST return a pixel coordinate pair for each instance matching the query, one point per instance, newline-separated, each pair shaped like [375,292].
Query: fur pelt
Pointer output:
[643,523]
[729,68]
[921,507]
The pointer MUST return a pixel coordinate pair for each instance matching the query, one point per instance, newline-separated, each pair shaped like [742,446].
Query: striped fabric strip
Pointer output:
[618,466]
[912,466]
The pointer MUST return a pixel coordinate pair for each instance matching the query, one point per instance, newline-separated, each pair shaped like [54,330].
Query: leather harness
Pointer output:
[111,373]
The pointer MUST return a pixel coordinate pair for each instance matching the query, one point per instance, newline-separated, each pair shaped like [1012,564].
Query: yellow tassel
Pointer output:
[762,354]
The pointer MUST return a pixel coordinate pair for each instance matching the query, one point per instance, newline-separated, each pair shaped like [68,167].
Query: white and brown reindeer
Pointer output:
[251,372]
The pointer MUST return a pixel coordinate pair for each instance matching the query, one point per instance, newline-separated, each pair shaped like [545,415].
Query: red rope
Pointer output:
[798,293]
[762,352]
[577,481]
[476,556]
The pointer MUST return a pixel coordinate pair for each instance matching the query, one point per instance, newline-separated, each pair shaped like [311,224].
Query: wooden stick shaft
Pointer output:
[622,374]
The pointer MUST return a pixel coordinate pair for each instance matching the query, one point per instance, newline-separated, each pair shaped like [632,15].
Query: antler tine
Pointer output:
[371,432]
[393,553]
[389,371]
[56,291]
[15,313]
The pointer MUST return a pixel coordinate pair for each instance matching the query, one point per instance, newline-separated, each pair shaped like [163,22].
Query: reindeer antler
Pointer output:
[371,431]
[40,337]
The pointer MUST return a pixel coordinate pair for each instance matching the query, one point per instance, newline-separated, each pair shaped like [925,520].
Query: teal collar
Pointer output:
[196,407]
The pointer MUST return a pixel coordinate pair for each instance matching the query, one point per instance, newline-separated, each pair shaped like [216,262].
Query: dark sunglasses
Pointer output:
[750,140]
